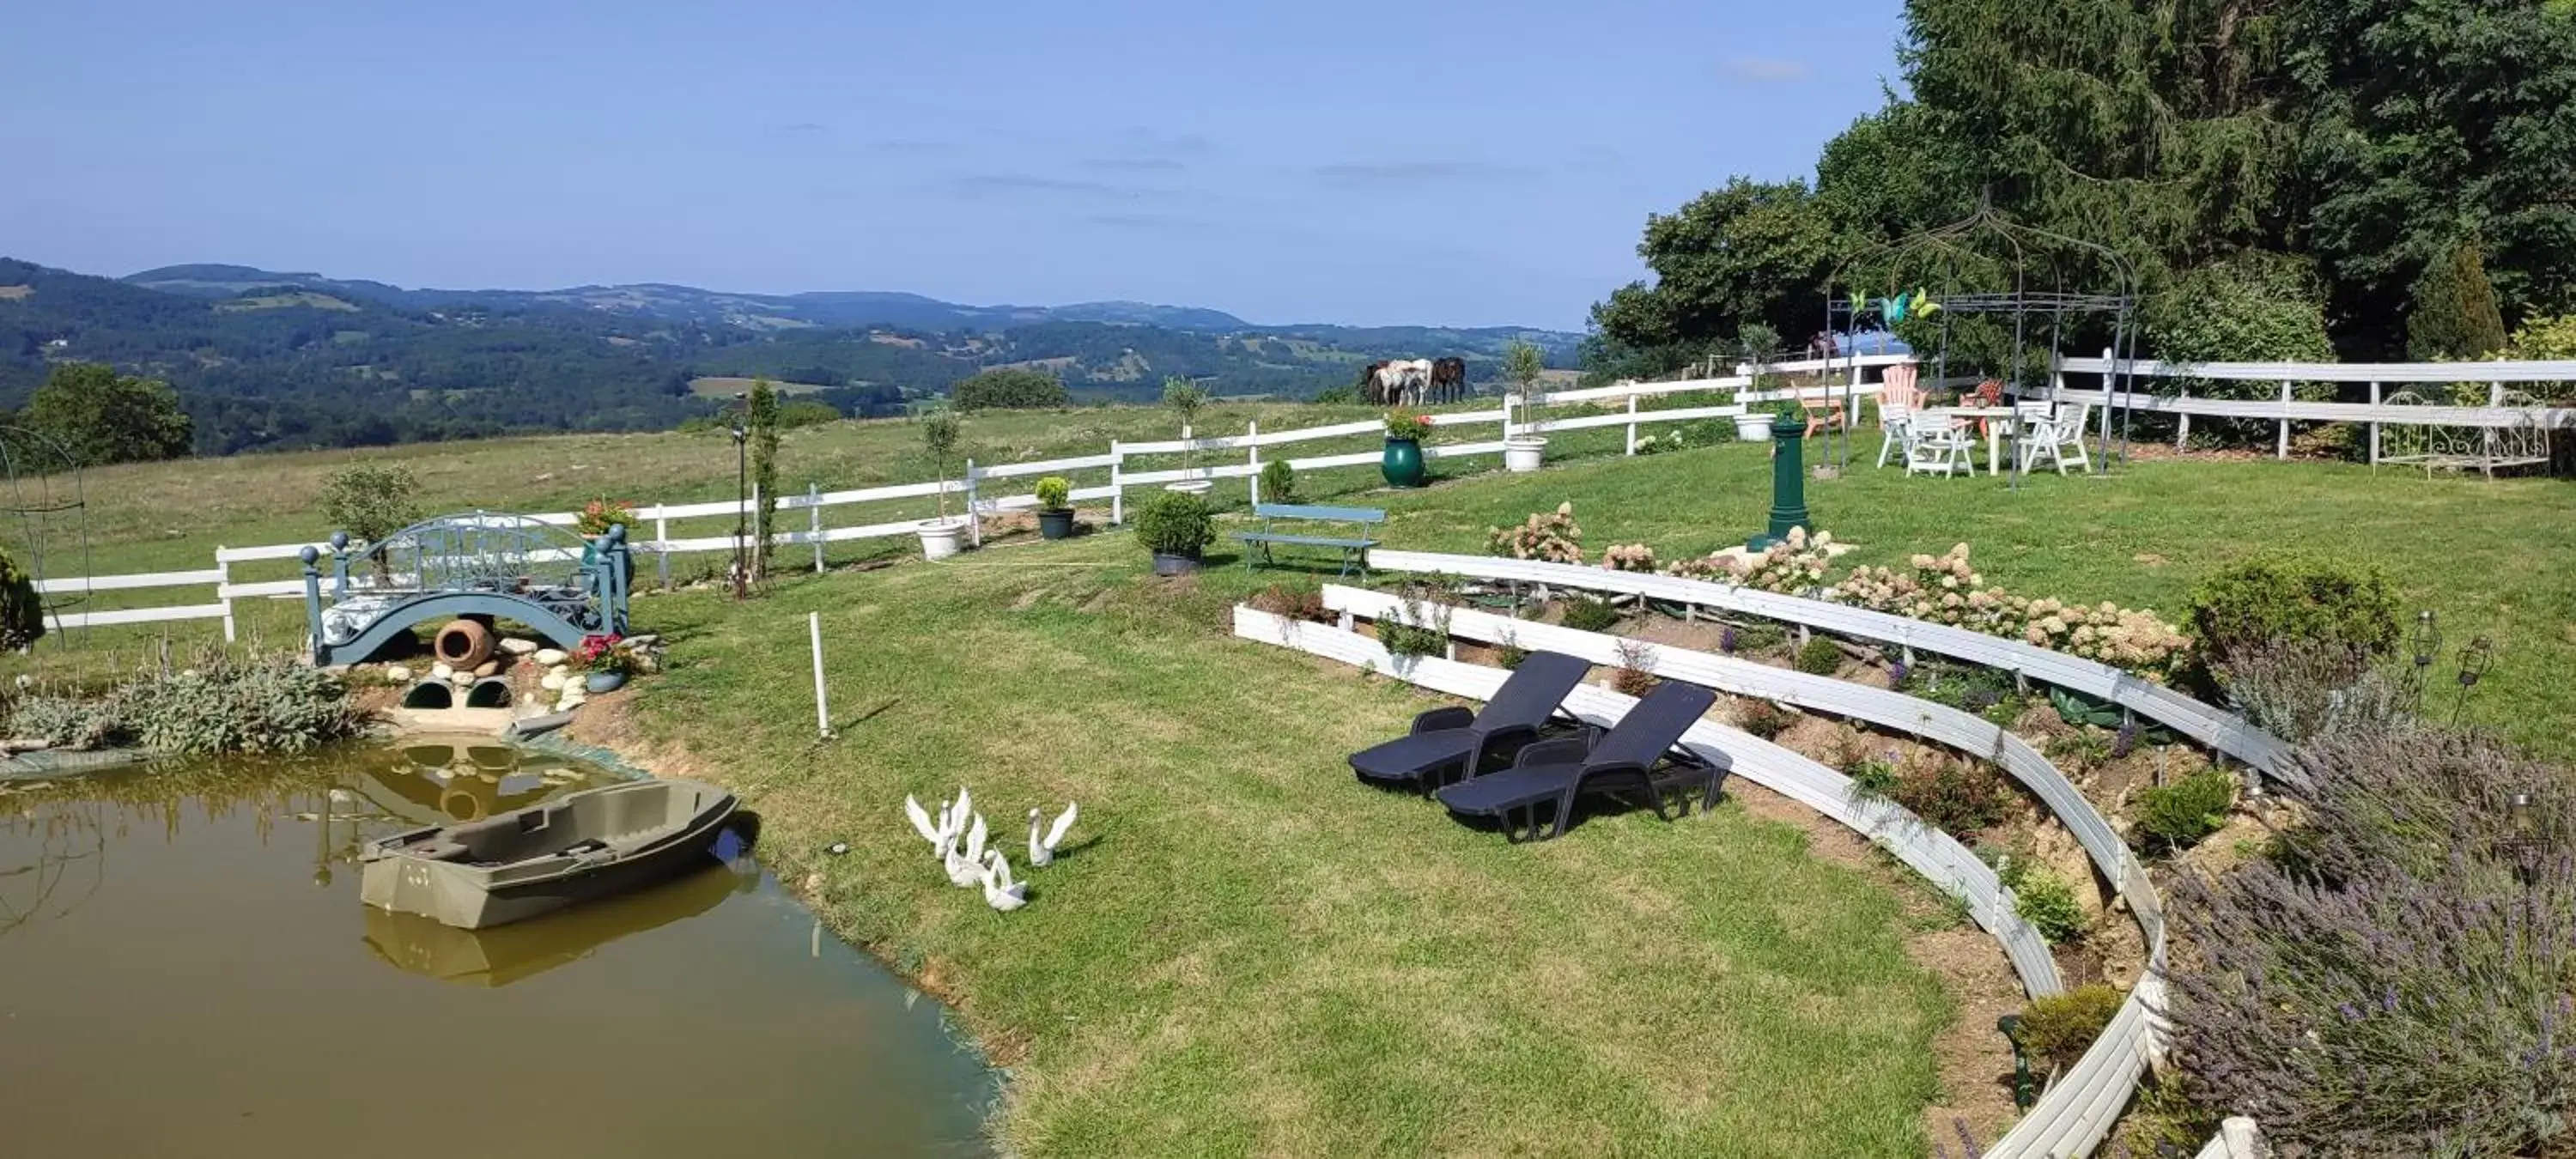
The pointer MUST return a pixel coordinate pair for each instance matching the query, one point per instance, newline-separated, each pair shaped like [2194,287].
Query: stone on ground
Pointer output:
[518,645]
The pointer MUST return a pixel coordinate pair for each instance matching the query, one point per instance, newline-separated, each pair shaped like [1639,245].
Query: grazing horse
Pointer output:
[1367,384]
[1448,379]
[1403,380]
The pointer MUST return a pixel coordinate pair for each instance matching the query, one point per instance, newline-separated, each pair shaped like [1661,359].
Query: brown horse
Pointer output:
[1368,388]
[1448,379]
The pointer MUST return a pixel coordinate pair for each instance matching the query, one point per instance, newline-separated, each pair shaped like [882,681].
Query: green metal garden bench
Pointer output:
[1354,547]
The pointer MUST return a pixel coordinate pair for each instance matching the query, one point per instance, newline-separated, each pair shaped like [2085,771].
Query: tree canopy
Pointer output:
[103,417]
[1009,388]
[2317,157]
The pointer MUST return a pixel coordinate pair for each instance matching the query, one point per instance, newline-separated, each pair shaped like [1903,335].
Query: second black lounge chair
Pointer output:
[1638,752]
[1452,740]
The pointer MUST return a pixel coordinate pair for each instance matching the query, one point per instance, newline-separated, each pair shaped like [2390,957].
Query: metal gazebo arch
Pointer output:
[1907,268]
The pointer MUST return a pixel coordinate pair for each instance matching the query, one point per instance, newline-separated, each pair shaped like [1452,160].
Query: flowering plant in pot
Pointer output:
[1402,464]
[1176,526]
[1055,507]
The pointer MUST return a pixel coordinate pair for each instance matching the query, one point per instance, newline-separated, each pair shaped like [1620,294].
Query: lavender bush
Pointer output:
[2396,979]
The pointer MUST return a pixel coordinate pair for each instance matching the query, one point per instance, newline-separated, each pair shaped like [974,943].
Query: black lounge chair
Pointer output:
[1446,740]
[1638,752]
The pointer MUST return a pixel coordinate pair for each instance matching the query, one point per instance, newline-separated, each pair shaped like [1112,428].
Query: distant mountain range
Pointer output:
[269,359]
[757,311]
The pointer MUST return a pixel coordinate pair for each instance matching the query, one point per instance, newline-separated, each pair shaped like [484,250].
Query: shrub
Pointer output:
[805,412]
[2048,903]
[1590,614]
[22,611]
[1175,523]
[941,430]
[1509,653]
[1278,481]
[1764,719]
[1294,603]
[2252,307]
[1415,628]
[2178,815]
[256,707]
[1874,777]
[1957,796]
[2299,689]
[1635,675]
[2057,1029]
[1054,494]
[1549,538]
[2081,749]
[1820,657]
[2289,597]
[1009,388]
[2401,985]
[68,721]
[2452,311]
[1628,557]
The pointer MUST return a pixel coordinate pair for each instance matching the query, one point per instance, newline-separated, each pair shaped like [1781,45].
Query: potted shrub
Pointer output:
[1402,463]
[1186,400]
[608,666]
[1754,425]
[1175,526]
[940,431]
[1522,365]
[1055,508]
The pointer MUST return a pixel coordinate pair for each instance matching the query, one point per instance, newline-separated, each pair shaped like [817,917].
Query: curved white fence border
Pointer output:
[2077,1112]
[2218,730]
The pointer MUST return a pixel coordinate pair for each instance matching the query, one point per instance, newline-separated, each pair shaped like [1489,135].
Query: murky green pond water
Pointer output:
[185,970]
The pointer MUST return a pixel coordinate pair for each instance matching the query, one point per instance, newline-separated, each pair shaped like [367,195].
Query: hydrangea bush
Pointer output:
[1550,537]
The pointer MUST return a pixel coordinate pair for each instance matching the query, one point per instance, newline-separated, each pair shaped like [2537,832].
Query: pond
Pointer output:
[185,968]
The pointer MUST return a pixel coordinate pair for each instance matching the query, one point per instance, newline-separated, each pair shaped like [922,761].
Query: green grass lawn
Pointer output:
[1250,953]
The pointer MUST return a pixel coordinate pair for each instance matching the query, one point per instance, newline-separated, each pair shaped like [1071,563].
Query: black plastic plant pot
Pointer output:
[1056,523]
[1174,563]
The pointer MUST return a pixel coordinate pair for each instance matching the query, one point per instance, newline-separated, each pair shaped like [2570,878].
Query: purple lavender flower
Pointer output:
[1726,639]
[2126,740]
[1896,674]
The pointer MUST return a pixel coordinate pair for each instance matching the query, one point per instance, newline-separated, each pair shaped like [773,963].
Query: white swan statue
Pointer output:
[966,866]
[1000,891]
[1042,849]
[921,824]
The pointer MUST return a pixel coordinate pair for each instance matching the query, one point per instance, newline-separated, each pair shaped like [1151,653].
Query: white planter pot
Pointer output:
[1191,486]
[1753,428]
[939,539]
[1522,453]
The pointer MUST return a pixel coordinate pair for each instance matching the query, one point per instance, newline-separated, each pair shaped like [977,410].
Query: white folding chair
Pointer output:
[1936,441]
[2035,435]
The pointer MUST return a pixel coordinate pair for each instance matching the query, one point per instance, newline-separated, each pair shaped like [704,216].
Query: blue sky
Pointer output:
[1387,162]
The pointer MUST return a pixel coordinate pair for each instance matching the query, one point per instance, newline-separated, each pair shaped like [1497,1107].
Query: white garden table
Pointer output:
[1997,418]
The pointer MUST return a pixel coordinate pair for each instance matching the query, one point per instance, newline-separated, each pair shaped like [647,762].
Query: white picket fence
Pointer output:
[978,479]
[2282,411]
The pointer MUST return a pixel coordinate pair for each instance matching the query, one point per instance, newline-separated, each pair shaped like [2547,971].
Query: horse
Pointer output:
[1367,385]
[1448,379]
[1402,380]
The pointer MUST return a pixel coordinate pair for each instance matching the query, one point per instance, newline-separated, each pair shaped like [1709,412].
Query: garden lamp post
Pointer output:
[2427,644]
[2526,854]
[2023,1095]
[2475,660]
[741,481]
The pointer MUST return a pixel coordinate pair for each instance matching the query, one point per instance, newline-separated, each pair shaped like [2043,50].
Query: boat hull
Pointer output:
[517,865]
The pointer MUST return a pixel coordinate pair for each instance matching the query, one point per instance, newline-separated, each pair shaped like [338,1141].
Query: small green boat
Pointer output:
[530,861]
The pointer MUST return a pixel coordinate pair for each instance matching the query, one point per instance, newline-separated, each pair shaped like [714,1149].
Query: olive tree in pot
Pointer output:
[1175,526]
[1186,400]
[1522,365]
[1055,507]
[940,432]
[1760,346]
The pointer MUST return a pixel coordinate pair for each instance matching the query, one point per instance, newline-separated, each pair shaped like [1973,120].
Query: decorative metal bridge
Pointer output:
[479,566]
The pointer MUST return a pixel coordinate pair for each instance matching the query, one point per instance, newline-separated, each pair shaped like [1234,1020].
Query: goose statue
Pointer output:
[1000,891]
[1042,849]
[967,865]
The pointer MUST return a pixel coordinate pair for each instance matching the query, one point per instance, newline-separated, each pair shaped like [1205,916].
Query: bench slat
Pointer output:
[1334,514]
[1302,540]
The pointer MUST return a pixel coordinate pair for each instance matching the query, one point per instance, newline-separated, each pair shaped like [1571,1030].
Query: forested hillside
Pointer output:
[263,359]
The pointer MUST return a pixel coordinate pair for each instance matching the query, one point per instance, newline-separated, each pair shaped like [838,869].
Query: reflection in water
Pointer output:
[505,954]
[175,983]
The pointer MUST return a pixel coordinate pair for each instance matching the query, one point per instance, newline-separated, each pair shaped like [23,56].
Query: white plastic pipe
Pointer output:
[822,711]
